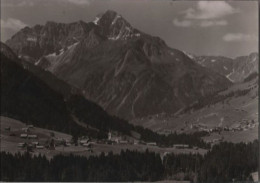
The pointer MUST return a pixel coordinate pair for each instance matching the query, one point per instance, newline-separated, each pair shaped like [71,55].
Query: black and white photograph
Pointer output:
[129,91]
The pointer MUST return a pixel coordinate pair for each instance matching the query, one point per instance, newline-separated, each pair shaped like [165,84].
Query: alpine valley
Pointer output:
[129,73]
[103,101]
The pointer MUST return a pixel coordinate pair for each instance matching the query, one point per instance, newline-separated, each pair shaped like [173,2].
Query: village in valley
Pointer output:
[19,137]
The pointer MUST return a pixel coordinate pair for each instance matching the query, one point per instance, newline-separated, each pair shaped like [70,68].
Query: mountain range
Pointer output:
[129,73]
[235,69]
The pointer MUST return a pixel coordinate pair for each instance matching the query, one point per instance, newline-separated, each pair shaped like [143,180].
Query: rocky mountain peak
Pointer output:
[110,14]
[106,18]
[115,27]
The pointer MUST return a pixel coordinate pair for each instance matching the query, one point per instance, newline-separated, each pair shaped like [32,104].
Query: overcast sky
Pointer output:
[199,27]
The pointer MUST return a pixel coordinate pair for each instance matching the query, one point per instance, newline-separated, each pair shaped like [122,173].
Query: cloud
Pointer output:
[206,14]
[13,24]
[210,10]
[236,37]
[183,23]
[209,23]
[199,23]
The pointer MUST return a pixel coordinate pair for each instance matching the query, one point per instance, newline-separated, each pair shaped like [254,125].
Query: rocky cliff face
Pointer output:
[129,73]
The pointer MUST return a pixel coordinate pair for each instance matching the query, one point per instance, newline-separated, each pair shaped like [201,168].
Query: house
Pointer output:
[114,137]
[109,136]
[39,147]
[32,136]
[68,144]
[151,143]
[25,129]
[30,126]
[89,145]
[23,135]
[123,142]
[181,146]
[83,141]
[136,142]
[22,144]
[85,145]
[36,143]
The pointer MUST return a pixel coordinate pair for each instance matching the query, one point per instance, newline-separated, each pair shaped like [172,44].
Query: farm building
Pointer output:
[22,144]
[181,146]
[114,137]
[136,142]
[122,141]
[32,136]
[68,144]
[39,147]
[23,135]
[25,129]
[89,144]
[151,143]
[83,141]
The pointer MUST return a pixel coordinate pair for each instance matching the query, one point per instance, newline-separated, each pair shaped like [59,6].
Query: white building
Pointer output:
[23,135]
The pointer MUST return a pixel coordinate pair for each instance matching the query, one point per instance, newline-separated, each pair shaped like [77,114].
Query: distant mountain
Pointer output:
[129,73]
[236,70]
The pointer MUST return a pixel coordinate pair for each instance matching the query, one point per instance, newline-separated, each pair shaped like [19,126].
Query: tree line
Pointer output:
[225,162]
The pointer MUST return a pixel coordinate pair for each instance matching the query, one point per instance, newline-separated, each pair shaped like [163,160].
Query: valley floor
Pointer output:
[11,139]
[238,115]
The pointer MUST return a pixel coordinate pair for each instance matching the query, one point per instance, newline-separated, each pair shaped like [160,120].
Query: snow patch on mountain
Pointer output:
[51,55]
[114,37]
[189,55]
[69,47]
[96,20]
[115,19]
[228,75]
[32,39]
